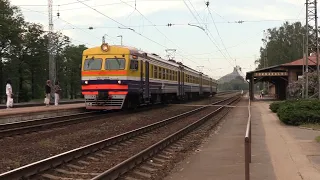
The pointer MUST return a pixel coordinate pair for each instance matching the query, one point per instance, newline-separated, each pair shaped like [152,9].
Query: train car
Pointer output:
[116,77]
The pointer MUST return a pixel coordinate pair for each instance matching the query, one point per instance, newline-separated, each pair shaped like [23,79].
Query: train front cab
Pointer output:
[104,72]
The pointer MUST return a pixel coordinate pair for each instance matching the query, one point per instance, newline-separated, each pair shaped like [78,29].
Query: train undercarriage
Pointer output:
[105,101]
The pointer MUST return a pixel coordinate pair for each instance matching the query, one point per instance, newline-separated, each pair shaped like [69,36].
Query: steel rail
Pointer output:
[17,128]
[125,166]
[45,164]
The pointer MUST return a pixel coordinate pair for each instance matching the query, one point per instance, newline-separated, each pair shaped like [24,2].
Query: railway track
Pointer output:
[24,127]
[98,157]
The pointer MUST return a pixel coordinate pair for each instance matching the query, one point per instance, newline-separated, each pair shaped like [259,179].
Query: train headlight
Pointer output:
[86,82]
[119,81]
[105,47]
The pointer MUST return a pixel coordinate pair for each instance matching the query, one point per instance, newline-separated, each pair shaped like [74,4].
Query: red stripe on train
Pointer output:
[104,86]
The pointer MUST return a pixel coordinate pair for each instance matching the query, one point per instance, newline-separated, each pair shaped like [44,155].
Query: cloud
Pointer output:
[264,13]
[295,2]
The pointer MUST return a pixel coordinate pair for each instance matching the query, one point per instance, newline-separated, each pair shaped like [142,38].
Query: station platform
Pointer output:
[32,104]
[278,151]
[27,113]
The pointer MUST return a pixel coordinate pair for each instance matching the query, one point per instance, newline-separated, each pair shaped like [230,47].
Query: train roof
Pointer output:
[134,50]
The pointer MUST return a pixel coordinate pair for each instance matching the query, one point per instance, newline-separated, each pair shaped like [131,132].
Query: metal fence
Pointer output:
[247,144]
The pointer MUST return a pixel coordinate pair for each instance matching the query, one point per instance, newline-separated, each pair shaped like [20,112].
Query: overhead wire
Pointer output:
[124,26]
[219,33]
[136,9]
[210,38]
[61,20]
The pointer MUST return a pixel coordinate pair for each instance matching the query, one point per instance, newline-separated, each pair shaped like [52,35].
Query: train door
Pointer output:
[141,77]
[182,84]
[146,94]
[200,85]
[210,86]
[179,84]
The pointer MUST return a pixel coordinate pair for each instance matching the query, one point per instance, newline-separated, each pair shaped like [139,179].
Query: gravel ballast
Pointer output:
[21,150]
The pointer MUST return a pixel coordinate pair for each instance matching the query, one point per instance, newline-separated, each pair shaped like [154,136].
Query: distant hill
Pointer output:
[233,81]
[231,76]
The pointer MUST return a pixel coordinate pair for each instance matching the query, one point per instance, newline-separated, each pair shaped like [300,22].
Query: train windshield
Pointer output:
[115,63]
[92,64]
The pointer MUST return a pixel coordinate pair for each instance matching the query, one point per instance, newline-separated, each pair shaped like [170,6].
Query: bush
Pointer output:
[297,112]
[275,106]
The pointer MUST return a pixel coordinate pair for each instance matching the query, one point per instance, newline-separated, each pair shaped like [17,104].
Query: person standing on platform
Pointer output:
[57,91]
[48,91]
[9,94]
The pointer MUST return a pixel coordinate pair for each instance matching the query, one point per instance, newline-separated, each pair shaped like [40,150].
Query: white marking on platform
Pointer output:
[204,105]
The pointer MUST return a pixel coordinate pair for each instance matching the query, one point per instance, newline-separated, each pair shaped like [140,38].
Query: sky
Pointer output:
[214,42]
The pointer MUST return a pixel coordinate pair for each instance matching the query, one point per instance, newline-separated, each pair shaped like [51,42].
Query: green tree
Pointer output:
[284,44]
[11,22]
[69,75]
[24,57]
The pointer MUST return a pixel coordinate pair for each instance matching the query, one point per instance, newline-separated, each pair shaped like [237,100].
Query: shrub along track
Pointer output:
[21,150]
[137,140]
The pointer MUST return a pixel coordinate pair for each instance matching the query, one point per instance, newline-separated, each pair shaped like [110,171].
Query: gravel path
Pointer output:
[21,150]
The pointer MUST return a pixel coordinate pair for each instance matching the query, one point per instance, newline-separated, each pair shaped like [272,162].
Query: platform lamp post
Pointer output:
[303,61]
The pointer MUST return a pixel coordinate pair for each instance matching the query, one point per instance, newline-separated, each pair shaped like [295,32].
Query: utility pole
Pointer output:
[265,42]
[52,62]
[317,46]
[303,61]
[311,39]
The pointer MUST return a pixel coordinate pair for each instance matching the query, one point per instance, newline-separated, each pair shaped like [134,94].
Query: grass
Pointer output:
[312,126]
[318,138]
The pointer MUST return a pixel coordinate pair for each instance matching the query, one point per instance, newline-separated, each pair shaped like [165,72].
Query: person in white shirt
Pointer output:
[9,94]
[57,91]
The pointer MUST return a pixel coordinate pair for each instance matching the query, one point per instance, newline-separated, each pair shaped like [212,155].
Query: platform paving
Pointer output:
[279,152]
[28,113]
[221,156]
[294,153]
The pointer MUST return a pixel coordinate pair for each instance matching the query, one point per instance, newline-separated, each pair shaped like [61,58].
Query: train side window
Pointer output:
[163,73]
[134,64]
[155,73]
[151,71]
[160,73]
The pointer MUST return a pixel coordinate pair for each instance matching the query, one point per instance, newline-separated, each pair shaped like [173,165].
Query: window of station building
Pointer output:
[92,64]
